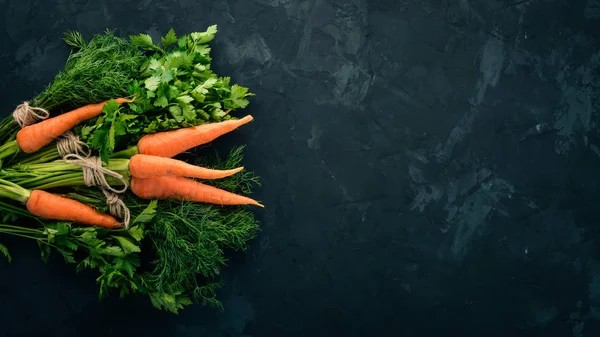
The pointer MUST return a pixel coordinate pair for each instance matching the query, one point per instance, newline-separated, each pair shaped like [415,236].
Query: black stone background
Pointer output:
[430,168]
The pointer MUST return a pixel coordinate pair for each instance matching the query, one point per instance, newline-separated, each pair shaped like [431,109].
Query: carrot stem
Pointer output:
[14,209]
[23,236]
[8,149]
[19,228]
[13,191]
[47,154]
[127,153]
[61,174]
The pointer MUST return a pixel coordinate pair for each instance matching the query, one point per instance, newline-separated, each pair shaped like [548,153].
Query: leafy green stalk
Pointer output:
[13,191]
[47,154]
[8,151]
[127,153]
[59,174]
[8,129]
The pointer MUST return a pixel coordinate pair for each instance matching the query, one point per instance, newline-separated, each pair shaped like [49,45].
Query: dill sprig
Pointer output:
[243,182]
[190,240]
[96,71]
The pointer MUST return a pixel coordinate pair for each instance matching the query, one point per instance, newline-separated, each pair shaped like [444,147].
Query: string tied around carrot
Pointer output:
[117,207]
[26,114]
[94,174]
[69,143]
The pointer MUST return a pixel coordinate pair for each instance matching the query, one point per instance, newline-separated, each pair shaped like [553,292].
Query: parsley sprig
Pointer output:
[175,88]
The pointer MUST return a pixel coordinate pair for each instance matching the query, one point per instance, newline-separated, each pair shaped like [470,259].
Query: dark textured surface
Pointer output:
[430,167]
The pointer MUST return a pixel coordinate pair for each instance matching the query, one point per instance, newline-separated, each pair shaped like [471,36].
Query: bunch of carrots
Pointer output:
[38,182]
[154,173]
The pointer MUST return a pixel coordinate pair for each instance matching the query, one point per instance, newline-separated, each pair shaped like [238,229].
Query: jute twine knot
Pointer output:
[117,207]
[26,114]
[94,174]
[69,143]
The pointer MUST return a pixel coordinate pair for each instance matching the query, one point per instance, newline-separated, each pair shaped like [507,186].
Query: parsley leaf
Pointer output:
[172,92]
[167,75]
[202,49]
[189,113]
[137,232]
[185,99]
[176,113]
[169,39]
[111,127]
[238,97]
[178,59]
[154,64]
[204,37]
[142,40]
[146,215]
[127,245]
[152,82]
[199,93]
[161,102]
[110,108]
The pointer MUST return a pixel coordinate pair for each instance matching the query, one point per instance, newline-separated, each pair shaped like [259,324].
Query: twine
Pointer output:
[117,207]
[74,151]
[26,114]
[94,174]
[69,143]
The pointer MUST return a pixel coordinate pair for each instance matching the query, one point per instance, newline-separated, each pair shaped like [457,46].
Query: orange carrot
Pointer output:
[171,143]
[170,187]
[145,166]
[33,137]
[52,206]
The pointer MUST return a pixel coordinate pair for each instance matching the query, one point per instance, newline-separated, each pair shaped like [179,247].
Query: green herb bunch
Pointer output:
[175,87]
[173,251]
[94,72]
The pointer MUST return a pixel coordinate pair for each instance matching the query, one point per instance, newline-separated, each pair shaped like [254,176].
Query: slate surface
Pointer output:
[430,167]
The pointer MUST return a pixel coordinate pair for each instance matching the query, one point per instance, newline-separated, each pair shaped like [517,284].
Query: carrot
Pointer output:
[52,206]
[33,137]
[170,187]
[171,143]
[145,166]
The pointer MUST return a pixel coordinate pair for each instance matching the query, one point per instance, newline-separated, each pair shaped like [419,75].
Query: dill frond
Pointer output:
[99,70]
